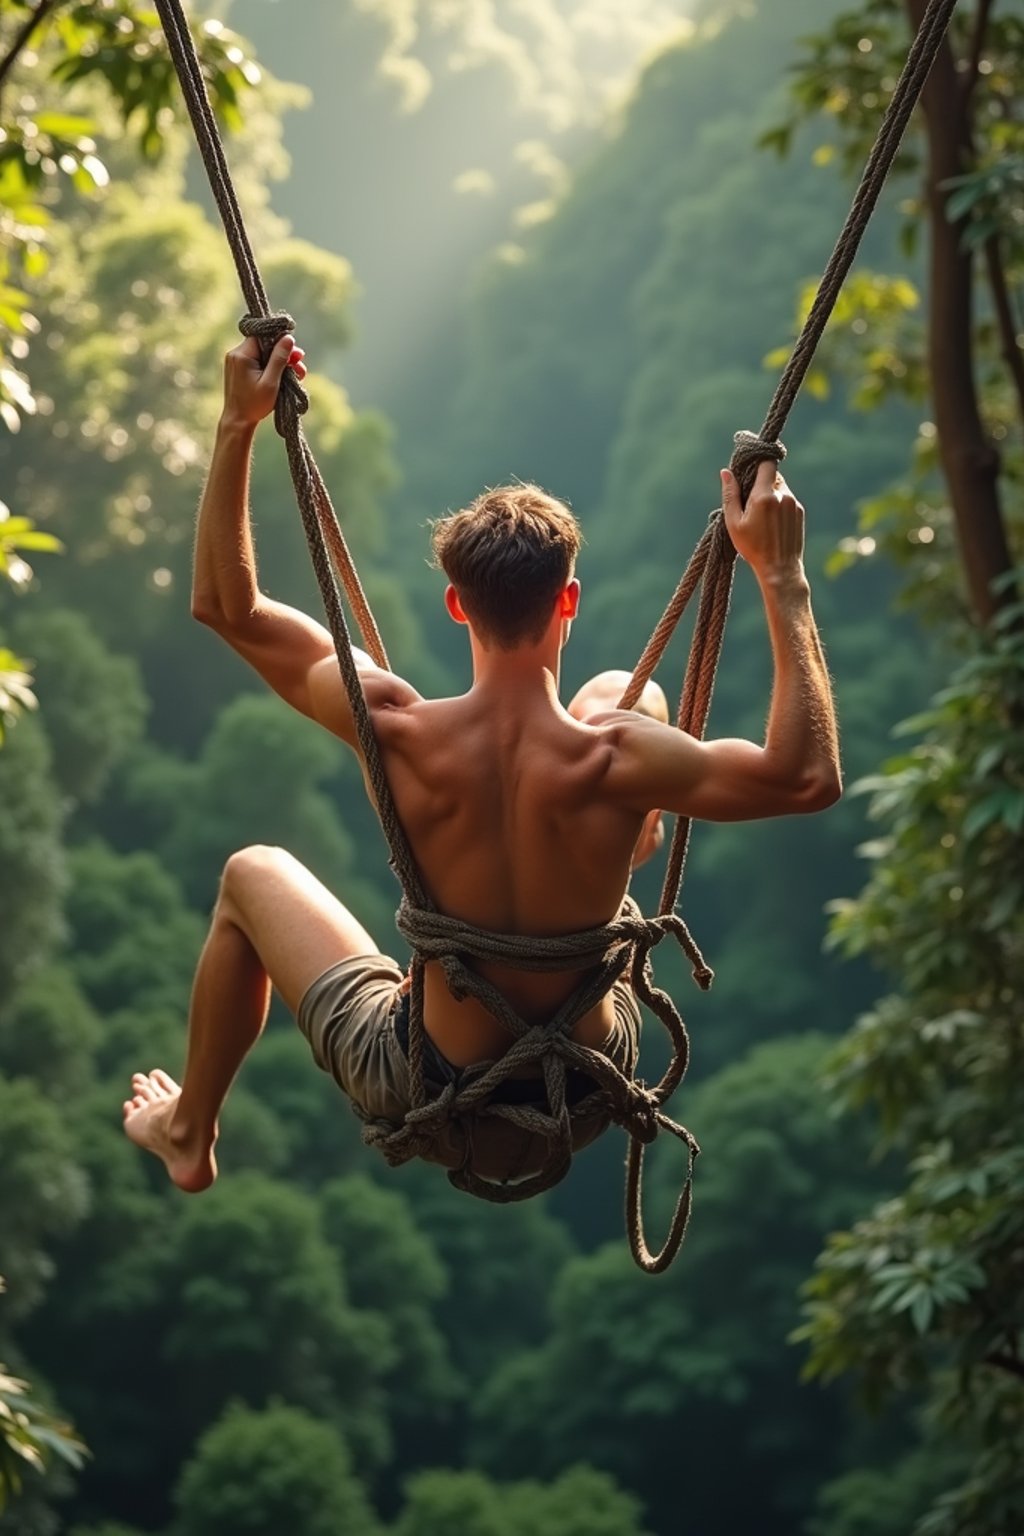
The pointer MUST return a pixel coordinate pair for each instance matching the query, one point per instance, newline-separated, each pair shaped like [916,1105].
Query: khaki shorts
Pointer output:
[356,1019]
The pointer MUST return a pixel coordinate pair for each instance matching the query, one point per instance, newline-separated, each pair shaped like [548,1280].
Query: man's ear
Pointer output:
[570,600]
[455,608]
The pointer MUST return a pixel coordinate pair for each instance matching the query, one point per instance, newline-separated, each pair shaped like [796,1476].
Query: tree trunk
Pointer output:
[969,459]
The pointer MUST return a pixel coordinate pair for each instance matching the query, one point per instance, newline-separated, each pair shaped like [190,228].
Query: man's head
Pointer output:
[510,559]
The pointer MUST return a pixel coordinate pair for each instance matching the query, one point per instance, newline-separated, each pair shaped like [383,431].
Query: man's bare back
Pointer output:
[505,804]
[522,819]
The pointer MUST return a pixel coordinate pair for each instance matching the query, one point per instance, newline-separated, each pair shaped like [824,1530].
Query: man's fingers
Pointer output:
[731,503]
[767,471]
[278,360]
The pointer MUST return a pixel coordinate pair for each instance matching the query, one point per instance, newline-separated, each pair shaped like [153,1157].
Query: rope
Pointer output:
[261,322]
[608,953]
[605,954]
[714,560]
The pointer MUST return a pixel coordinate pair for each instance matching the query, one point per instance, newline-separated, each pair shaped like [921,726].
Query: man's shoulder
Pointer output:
[626,729]
[386,690]
[402,712]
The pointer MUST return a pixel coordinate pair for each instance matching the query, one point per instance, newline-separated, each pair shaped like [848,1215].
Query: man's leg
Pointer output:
[274,925]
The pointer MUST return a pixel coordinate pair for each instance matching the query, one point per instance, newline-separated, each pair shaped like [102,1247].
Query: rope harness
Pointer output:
[624,945]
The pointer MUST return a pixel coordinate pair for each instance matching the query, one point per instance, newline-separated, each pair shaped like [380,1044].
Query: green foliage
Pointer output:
[438,1502]
[320,1135]
[257,1137]
[878,1502]
[257,781]
[86,60]
[582,1502]
[846,73]
[778,1172]
[120,44]
[16,694]
[261,1473]
[30,1437]
[492,1252]
[30,856]
[929,1280]
[392,1268]
[872,337]
[258,1283]
[840,74]
[918,1298]
[94,704]
[45,1193]
[108,1528]
[49,1032]
[17,534]
[133,940]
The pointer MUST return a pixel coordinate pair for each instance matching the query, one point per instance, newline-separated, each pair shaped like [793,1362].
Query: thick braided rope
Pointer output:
[714,561]
[607,953]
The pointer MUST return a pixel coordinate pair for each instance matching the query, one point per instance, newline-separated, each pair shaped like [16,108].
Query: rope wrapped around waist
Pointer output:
[603,954]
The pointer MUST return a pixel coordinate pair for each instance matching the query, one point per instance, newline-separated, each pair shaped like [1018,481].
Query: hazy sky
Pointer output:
[438,130]
[565,57]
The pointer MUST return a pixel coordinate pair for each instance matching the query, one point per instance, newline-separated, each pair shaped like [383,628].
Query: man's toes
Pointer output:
[164,1080]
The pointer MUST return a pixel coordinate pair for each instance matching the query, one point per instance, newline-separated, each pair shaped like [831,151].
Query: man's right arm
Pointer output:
[291,651]
[797,768]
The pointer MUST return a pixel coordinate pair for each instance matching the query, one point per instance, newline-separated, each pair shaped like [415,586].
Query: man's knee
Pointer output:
[248,865]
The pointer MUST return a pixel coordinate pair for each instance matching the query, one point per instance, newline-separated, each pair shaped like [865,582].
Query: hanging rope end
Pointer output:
[703,975]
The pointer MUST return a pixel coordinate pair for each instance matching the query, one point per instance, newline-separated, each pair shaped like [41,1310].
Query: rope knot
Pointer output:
[434,1114]
[267,329]
[292,399]
[639,1112]
[749,451]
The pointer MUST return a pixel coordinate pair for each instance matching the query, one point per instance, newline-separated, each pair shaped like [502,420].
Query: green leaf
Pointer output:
[921,1310]
[983,815]
[63,125]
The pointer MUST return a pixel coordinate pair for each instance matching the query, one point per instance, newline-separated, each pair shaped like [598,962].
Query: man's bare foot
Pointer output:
[149,1122]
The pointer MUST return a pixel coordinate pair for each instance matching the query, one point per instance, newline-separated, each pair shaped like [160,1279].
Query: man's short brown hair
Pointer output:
[508,556]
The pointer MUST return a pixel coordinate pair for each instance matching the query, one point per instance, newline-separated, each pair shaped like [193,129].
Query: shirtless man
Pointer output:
[522,819]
